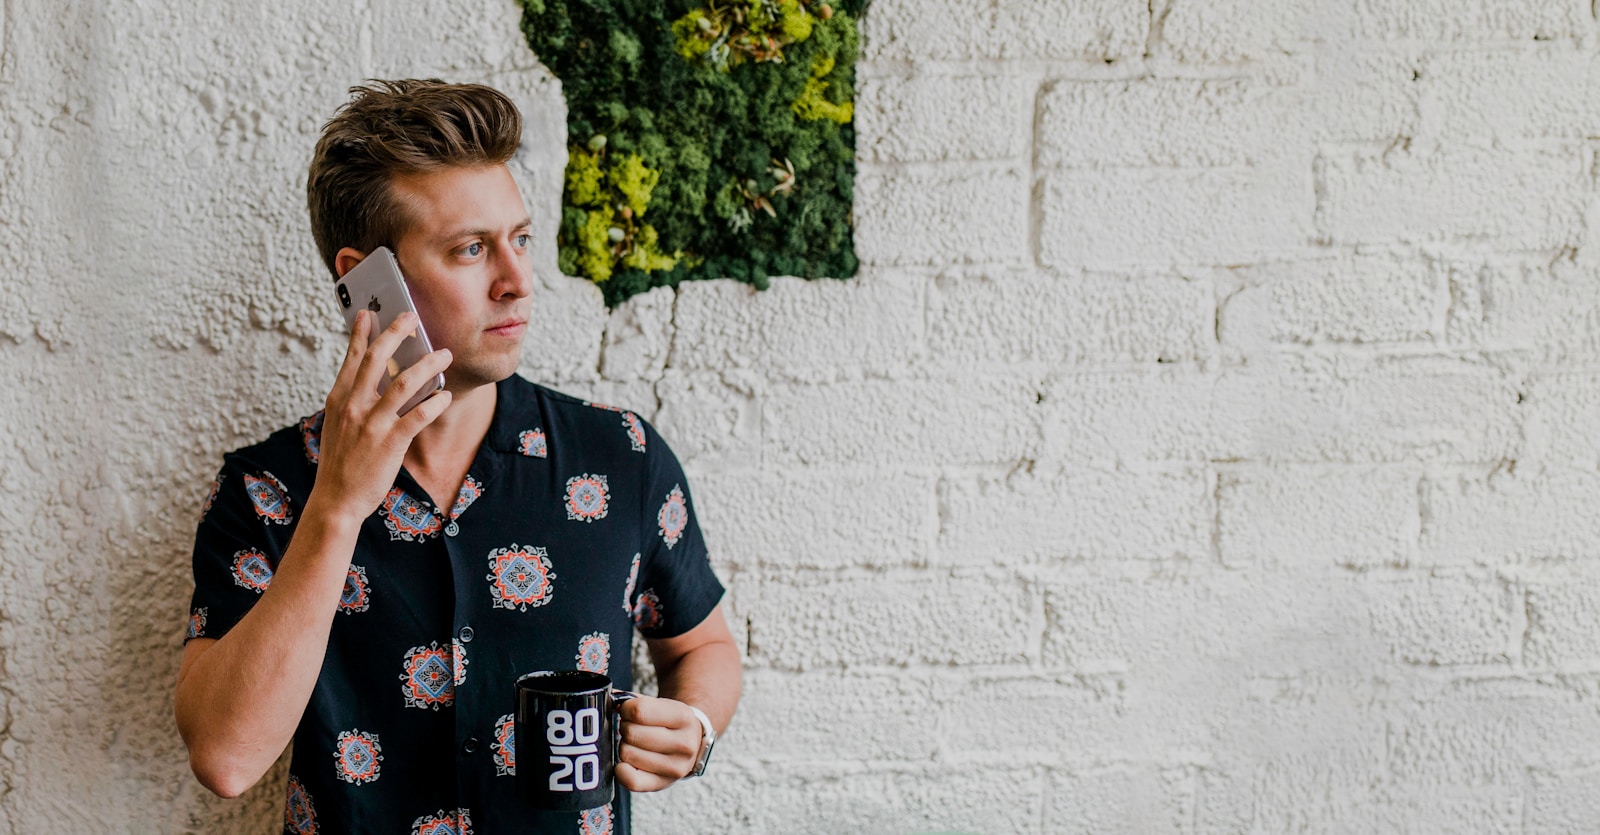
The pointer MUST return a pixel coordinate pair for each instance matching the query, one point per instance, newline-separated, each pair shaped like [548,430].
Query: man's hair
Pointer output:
[390,129]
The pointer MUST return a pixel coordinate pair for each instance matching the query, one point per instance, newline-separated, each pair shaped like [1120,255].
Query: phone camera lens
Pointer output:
[344,296]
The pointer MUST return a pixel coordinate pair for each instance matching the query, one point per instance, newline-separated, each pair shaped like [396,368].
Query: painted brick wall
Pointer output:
[1209,443]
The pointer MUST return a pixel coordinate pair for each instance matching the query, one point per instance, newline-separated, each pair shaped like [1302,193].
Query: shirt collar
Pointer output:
[516,410]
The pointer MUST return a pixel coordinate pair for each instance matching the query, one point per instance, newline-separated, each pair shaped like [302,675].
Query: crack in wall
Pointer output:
[1219,306]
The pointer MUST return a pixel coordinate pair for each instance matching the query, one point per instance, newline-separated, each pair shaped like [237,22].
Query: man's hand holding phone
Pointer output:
[240,697]
[364,435]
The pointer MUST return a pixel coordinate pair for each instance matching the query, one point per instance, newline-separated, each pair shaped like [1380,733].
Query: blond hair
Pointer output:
[393,128]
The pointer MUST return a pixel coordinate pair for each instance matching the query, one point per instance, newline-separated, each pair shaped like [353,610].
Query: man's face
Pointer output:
[466,261]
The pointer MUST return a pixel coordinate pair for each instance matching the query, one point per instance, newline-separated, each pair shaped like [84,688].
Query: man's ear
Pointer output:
[346,260]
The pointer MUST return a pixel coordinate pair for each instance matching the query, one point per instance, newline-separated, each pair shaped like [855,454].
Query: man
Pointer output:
[371,584]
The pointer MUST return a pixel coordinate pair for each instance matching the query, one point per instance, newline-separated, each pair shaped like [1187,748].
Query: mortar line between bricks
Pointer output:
[1041,610]
[1424,513]
[1445,304]
[1193,800]
[8,25]
[1463,250]
[1526,785]
[1519,659]
[1044,797]
[1411,146]
[1216,355]
[1216,517]
[914,766]
[759,403]
[1090,69]
[1008,669]
[672,348]
[1035,184]
[363,10]
[1155,34]
[998,165]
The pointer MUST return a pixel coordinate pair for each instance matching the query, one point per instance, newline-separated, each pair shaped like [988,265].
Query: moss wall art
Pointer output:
[706,139]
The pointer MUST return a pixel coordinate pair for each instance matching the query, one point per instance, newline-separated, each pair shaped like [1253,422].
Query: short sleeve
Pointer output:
[245,524]
[677,588]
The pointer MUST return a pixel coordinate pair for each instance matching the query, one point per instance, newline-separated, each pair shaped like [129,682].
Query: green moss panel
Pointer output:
[706,139]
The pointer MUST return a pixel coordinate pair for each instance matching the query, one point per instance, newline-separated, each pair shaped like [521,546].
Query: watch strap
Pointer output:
[708,737]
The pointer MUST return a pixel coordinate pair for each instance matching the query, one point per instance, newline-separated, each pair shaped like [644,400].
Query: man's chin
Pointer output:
[473,375]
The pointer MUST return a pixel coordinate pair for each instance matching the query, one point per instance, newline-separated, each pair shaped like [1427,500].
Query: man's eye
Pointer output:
[473,250]
[522,240]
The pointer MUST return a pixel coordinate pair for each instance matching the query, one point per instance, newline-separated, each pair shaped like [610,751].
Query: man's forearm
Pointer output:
[661,737]
[708,677]
[240,699]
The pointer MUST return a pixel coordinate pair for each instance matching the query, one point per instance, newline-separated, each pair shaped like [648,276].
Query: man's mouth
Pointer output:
[508,327]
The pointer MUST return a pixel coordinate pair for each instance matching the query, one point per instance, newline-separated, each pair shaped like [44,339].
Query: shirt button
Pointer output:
[471,745]
[465,635]
[452,529]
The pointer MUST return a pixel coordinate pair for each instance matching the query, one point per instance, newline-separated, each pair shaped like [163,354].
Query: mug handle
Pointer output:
[617,698]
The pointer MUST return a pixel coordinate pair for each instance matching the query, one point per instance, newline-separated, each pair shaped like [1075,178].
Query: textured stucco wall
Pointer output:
[1210,443]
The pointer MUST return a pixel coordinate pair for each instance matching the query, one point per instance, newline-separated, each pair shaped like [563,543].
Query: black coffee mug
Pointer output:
[567,738]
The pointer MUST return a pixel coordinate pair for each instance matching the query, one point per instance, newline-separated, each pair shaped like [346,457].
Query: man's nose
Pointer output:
[513,274]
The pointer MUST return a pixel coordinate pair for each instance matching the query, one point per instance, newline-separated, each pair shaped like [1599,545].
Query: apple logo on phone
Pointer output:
[373,305]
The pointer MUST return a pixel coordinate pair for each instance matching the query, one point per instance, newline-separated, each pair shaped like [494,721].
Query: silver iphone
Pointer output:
[376,284]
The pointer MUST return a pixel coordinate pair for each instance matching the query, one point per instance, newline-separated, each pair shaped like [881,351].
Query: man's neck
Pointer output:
[441,454]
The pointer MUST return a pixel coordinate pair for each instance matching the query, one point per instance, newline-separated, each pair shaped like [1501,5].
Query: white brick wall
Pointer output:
[1209,443]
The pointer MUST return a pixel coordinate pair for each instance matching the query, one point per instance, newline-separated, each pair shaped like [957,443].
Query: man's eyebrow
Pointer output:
[478,232]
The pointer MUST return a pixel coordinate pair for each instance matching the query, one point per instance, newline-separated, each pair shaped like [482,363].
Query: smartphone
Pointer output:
[376,284]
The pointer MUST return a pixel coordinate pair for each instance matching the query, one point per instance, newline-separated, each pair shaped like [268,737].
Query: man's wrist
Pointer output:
[330,517]
[326,534]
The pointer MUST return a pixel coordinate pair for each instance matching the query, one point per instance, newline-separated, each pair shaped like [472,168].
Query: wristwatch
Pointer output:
[708,738]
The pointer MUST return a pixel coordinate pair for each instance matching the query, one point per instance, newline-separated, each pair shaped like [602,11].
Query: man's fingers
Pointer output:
[354,351]
[425,413]
[668,768]
[382,348]
[660,740]
[411,380]
[661,765]
[662,713]
[635,780]
[665,741]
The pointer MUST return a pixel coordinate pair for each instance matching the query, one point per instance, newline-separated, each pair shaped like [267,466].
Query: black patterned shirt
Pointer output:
[573,527]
